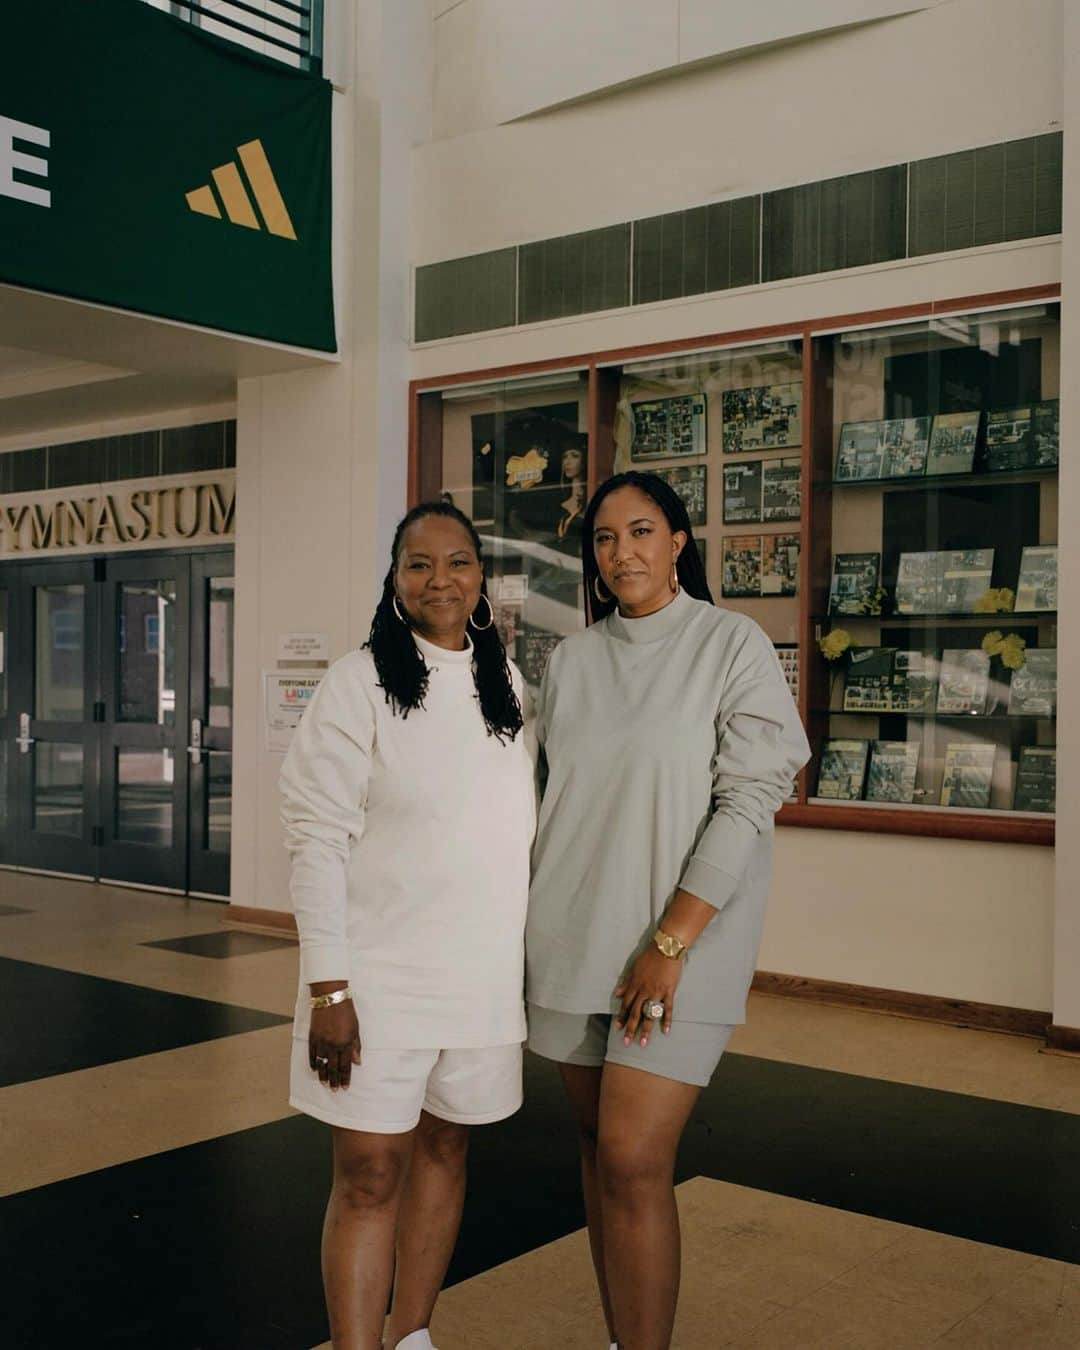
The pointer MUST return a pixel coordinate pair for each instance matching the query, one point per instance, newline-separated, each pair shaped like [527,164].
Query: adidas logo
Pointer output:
[234,195]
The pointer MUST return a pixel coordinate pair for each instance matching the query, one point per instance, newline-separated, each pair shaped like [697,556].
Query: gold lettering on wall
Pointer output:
[115,518]
[41,526]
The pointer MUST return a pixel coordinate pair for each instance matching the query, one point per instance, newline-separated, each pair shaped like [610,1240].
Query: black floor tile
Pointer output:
[222,944]
[57,1021]
[215,1246]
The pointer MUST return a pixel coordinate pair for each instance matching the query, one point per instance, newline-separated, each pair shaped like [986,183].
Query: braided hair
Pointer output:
[689,568]
[402,670]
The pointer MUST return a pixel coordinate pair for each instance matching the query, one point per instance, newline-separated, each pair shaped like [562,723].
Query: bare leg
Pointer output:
[428,1222]
[582,1085]
[642,1117]
[358,1234]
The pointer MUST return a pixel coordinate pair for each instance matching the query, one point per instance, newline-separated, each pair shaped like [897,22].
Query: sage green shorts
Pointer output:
[689,1053]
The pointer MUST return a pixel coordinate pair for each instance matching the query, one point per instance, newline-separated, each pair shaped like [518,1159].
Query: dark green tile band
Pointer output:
[969,199]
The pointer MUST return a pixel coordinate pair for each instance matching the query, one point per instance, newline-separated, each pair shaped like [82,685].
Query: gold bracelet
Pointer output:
[670,945]
[328,1000]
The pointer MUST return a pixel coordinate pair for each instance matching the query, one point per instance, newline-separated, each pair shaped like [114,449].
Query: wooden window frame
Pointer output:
[425,482]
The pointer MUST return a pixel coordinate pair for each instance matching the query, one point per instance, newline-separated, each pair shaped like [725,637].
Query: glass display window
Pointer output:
[725,429]
[514,456]
[882,500]
[933,579]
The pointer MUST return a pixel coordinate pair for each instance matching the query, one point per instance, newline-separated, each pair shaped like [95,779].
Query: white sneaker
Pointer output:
[416,1340]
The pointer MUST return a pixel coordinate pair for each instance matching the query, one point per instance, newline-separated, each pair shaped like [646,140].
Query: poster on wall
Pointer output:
[529,474]
[765,417]
[689,481]
[666,427]
[286,693]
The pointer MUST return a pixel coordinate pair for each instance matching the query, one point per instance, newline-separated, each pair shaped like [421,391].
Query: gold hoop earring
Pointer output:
[397,611]
[603,599]
[482,627]
[674,582]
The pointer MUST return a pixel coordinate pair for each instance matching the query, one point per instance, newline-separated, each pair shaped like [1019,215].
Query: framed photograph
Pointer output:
[780,564]
[854,582]
[843,769]
[1008,440]
[689,481]
[1045,434]
[788,656]
[969,774]
[964,681]
[667,427]
[954,439]
[781,489]
[1036,779]
[535,646]
[916,682]
[893,767]
[742,566]
[859,451]
[965,575]
[764,417]
[742,492]
[1033,690]
[904,447]
[1037,588]
[869,683]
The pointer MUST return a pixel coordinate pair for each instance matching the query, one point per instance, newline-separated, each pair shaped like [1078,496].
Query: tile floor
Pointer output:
[850,1180]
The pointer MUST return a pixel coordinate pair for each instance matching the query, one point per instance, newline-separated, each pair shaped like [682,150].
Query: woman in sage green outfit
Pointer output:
[669,740]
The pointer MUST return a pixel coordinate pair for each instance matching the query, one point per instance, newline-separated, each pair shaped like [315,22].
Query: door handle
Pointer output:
[24,740]
[195,749]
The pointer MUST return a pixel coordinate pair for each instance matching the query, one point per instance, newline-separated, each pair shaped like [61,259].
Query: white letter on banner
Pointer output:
[12,159]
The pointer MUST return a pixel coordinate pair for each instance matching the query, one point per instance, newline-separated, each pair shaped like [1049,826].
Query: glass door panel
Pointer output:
[210,743]
[52,758]
[144,710]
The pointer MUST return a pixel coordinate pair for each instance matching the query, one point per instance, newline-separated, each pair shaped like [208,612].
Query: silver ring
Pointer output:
[319,1059]
[653,1009]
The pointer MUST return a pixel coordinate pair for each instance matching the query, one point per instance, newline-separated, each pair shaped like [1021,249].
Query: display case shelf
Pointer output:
[938,620]
[937,717]
[939,480]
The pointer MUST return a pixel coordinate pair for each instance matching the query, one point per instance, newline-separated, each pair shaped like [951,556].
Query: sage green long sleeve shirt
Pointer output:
[670,741]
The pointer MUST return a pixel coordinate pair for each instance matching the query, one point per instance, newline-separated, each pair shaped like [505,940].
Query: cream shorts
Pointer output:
[389,1088]
[689,1053]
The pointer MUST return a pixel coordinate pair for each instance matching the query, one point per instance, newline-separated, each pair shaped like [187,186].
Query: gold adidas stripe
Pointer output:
[202,200]
[238,205]
[264,185]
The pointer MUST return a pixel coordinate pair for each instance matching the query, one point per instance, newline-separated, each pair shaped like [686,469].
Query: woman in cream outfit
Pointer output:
[408,806]
[670,740]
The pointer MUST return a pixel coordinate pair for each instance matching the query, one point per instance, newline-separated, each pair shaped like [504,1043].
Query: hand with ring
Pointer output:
[333,1040]
[648,995]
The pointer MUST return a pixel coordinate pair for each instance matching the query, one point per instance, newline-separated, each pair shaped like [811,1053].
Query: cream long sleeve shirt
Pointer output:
[409,839]
[670,741]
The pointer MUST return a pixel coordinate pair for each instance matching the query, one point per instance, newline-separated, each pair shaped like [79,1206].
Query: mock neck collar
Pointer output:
[440,656]
[651,627]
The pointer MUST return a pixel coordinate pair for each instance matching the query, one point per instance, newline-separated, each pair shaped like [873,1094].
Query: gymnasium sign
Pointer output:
[144,513]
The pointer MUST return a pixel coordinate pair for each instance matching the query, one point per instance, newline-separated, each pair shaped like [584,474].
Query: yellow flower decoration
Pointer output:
[995,601]
[833,645]
[1009,647]
[992,642]
[1012,652]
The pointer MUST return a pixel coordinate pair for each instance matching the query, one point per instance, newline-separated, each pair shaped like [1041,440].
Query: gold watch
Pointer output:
[670,946]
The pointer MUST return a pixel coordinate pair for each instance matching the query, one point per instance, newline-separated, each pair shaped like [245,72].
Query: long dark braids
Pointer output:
[402,670]
[689,568]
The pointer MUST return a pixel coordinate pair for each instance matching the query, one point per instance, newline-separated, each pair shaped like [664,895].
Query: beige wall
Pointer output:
[498,60]
[967,73]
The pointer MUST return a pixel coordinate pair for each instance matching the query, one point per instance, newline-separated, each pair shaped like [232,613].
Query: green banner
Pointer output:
[148,166]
